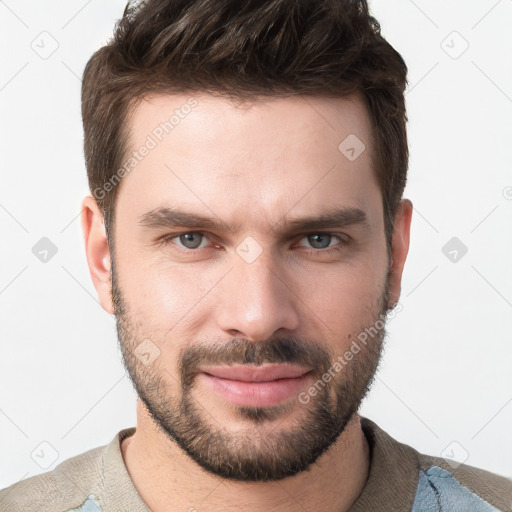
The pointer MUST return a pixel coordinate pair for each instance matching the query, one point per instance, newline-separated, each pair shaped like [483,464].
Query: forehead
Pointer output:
[260,157]
[189,118]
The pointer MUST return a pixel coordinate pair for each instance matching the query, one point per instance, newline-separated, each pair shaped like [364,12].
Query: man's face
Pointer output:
[256,289]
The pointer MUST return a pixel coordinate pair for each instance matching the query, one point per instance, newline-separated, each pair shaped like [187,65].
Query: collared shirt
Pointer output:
[400,479]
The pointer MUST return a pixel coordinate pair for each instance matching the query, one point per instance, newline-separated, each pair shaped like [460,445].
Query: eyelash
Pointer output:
[344,240]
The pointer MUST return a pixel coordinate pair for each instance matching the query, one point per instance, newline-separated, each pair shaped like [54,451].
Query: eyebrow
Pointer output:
[165,217]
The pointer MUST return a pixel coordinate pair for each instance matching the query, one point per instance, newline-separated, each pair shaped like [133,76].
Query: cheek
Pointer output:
[345,299]
[161,305]
[163,294]
[164,298]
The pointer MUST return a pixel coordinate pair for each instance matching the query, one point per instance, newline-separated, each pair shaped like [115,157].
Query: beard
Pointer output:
[253,454]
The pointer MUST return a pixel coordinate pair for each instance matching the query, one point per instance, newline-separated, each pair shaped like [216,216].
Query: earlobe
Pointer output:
[400,249]
[97,251]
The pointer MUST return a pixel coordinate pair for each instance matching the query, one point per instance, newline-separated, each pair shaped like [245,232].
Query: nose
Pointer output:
[257,300]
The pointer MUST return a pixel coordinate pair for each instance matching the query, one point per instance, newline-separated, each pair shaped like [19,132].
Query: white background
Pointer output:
[446,375]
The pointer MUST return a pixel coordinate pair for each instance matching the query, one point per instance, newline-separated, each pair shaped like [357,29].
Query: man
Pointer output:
[246,227]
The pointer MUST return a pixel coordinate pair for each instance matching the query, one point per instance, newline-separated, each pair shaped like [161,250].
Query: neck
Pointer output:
[162,473]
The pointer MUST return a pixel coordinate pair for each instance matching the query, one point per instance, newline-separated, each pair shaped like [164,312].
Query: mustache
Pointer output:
[291,350]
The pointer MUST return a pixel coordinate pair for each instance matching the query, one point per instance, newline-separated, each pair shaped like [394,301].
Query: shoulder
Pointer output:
[402,478]
[69,486]
[445,484]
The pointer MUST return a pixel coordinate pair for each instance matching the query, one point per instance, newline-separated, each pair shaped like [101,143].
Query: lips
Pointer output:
[267,373]
[255,386]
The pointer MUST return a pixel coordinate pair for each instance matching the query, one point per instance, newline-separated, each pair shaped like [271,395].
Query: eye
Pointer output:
[321,242]
[190,240]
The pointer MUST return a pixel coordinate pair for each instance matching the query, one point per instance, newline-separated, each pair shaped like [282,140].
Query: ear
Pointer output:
[399,250]
[97,251]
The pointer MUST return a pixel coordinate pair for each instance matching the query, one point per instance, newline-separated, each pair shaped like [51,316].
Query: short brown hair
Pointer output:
[242,50]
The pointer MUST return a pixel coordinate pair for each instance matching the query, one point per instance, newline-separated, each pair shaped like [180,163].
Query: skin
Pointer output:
[257,166]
